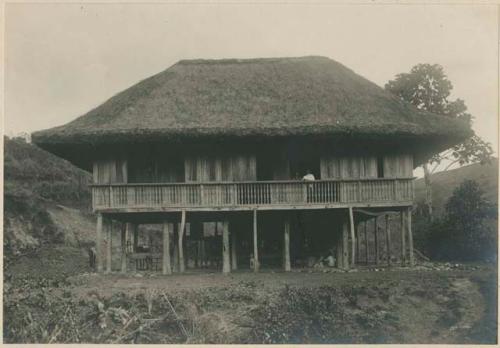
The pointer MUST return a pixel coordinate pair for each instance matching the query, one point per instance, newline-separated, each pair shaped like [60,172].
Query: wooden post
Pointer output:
[109,237]
[388,239]
[166,269]
[181,245]
[353,237]
[136,237]
[340,253]
[124,247]
[366,241]
[99,243]
[410,239]
[175,256]
[286,245]
[375,228]
[226,266]
[403,239]
[234,254]
[345,245]
[203,252]
[255,245]
[358,228]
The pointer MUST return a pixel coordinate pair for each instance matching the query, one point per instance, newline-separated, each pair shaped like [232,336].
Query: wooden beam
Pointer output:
[226,266]
[181,244]
[124,247]
[308,206]
[353,237]
[388,239]
[286,245]
[410,239]
[375,229]
[255,244]
[99,243]
[109,237]
[403,239]
[166,269]
[345,245]
[370,213]
[234,251]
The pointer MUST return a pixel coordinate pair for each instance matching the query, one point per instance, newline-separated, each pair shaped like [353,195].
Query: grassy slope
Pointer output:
[46,200]
[445,182]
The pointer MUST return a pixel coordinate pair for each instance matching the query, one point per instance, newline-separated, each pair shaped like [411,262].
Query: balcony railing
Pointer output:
[259,194]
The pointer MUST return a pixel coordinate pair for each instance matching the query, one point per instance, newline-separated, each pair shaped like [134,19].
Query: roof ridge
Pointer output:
[247,60]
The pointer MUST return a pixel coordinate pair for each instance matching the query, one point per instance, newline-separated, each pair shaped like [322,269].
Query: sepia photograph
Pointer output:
[250,172]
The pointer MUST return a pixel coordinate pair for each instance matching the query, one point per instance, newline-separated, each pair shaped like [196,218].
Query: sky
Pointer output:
[62,60]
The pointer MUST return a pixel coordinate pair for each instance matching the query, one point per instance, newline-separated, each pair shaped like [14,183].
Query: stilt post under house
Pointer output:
[365,223]
[98,248]
[181,242]
[345,245]
[388,239]
[403,238]
[286,245]
[410,238]
[234,251]
[166,269]
[124,247]
[353,237]
[109,240]
[255,243]
[375,231]
[226,263]
[136,237]
[175,256]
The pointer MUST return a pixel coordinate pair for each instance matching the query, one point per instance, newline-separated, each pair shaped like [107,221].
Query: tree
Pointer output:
[467,231]
[427,88]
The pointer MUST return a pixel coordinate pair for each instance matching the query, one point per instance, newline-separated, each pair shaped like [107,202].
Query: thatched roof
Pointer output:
[251,97]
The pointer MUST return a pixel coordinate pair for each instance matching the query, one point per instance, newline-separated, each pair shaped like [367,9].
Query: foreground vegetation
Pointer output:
[392,307]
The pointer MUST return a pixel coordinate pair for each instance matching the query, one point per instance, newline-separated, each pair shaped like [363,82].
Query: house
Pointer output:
[229,141]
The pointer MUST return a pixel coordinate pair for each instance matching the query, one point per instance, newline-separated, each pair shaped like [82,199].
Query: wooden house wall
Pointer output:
[160,169]
[397,166]
[110,171]
[333,167]
[221,168]
[348,167]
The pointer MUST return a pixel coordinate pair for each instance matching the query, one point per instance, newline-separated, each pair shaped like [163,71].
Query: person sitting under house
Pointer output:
[92,257]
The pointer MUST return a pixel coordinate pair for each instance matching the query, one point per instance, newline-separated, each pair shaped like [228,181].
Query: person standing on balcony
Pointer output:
[310,178]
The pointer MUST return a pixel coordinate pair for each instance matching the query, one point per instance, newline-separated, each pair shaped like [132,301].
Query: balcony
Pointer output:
[262,195]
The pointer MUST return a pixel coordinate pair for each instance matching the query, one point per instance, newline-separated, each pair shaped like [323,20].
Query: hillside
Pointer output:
[445,182]
[46,200]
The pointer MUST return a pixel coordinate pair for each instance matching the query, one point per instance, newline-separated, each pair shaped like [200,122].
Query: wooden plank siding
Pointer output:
[220,168]
[394,166]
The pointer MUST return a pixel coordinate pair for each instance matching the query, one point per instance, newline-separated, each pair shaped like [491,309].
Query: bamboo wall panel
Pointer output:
[348,167]
[220,169]
[398,166]
[110,171]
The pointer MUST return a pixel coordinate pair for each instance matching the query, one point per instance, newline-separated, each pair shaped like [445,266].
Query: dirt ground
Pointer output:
[107,284]
[60,301]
